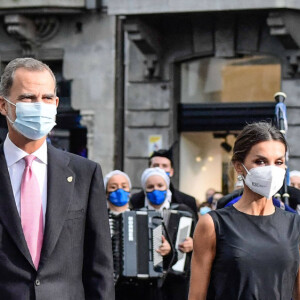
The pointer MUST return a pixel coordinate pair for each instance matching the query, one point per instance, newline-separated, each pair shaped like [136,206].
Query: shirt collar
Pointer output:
[13,153]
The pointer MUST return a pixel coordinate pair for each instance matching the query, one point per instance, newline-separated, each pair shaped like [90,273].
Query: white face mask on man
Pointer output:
[265,181]
[33,120]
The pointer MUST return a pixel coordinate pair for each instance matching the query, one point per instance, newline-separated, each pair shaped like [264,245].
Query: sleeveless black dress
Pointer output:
[257,257]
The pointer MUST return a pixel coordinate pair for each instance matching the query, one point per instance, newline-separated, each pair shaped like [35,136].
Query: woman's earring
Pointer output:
[240,177]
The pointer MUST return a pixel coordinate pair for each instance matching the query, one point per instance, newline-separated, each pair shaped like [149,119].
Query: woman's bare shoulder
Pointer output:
[205,226]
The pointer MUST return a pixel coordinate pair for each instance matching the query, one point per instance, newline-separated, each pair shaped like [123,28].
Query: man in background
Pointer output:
[295,179]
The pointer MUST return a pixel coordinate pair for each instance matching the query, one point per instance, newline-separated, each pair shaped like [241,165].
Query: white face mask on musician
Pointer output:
[265,181]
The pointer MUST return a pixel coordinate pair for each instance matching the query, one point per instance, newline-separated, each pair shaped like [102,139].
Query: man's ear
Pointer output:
[57,101]
[3,110]
[171,172]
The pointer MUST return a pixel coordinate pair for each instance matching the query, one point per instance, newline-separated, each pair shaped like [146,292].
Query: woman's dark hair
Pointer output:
[253,134]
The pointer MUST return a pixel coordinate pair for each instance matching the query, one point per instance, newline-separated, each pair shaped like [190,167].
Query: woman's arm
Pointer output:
[296,295]
[203,256]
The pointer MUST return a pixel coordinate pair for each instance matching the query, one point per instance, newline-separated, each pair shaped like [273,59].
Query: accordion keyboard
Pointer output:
[156,241]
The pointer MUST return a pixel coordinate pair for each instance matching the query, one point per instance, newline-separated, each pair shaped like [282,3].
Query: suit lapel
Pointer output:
[59,192]
[9,215]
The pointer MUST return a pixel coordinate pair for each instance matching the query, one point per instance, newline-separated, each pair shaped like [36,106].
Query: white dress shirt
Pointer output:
[16,165]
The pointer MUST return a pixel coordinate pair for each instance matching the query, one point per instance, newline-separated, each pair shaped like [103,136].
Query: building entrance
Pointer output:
[218,97]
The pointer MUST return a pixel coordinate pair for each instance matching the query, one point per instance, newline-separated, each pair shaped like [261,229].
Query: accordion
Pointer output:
[135,236]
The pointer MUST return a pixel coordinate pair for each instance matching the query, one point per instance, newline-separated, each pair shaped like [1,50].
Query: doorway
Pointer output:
[218,97]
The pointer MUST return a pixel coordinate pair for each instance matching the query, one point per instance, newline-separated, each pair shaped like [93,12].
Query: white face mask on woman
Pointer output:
[265,181]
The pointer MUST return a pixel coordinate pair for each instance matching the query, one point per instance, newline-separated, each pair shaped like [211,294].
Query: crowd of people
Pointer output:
[157,194]
[56,211]
[241,230]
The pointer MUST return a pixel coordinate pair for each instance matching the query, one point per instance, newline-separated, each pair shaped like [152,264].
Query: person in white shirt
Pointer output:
[67,253]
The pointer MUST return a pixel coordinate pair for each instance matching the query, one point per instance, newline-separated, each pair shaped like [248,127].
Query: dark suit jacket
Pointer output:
[137,200]
[76,259]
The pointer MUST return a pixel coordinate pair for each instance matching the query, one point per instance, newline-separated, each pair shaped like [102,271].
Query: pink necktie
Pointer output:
[31,211]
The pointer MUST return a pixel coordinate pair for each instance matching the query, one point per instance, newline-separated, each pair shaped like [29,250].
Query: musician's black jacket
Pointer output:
[176,284]
[138,200]
[294,199]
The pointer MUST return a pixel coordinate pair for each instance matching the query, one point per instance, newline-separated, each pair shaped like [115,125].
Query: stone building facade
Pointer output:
[189,73]
[161,37]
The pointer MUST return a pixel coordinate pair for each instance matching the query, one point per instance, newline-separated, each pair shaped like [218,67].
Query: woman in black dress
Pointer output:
[250,250]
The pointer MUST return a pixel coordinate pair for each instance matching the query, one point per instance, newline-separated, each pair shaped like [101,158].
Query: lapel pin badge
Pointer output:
[70,178]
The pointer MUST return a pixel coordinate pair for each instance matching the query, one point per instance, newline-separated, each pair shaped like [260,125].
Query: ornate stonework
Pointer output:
[147,41]
[31,32]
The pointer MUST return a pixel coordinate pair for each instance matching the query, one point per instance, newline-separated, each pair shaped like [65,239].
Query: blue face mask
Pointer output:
[33,120]
[157,197]
[119,197]
[204,210]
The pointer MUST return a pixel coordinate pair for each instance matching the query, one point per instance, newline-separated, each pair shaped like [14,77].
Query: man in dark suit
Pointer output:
[175,283]
[71,258]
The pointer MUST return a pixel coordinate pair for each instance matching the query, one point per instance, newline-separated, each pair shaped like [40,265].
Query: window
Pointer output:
[249,79]
[215,97]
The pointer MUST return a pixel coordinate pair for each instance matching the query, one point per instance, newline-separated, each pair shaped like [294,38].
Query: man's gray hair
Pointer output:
[27,63]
